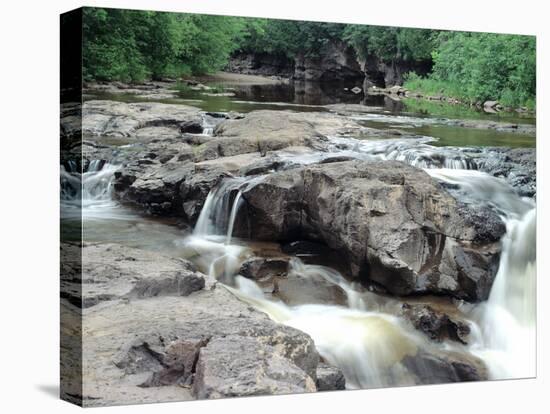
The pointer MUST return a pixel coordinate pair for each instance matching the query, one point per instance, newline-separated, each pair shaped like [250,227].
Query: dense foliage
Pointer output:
[480,66]
[134,45]
[391,43]
[288,37]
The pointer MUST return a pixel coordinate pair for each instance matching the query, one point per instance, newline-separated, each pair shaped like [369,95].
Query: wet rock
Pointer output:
[488,227]
[445,367]
[259,268]
[436,325]
[194,188]
[518,166]
[395,225]
[330,378]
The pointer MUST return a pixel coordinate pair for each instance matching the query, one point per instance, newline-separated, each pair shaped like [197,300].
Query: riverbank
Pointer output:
[419,93]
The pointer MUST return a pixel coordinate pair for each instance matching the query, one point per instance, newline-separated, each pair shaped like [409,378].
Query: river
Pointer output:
[360,331]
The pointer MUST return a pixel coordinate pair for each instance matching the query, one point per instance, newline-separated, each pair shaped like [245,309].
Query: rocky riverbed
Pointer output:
[389,233]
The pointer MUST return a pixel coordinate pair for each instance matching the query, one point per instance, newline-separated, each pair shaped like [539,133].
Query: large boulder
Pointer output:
[398,227]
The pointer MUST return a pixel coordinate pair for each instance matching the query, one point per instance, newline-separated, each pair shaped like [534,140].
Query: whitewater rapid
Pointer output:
[365,337]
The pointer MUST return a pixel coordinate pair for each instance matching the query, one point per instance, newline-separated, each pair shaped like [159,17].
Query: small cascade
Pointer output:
[414,151]
[506,327]
[368,346]
[88,194]
[210,246]
[208,125]
[477,186]
[233,216]
[355,299]
[216,217]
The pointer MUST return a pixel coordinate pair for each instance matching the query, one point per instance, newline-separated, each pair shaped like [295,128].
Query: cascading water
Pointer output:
[414,151]
[88,194]
[210,244]
[367,339]
[506,334]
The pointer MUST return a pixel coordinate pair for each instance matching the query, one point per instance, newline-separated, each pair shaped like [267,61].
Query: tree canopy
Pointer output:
[133,45]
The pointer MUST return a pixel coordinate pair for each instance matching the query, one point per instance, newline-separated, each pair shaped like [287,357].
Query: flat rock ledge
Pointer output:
[156,330]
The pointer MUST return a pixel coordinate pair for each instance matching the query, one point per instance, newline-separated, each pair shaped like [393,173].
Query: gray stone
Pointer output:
[435,324]
[330,378]
[396,226]
[261,368]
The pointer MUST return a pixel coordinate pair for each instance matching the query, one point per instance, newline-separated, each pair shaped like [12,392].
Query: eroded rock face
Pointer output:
[163,338]
[517,165]
[336,62]
[398,228]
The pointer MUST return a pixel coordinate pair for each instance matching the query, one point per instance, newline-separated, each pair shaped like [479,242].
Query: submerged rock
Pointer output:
[395,225]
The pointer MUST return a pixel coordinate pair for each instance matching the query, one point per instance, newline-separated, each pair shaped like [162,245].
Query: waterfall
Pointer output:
[367,338]
[210,246]
[208,125]
[232,216]
[506,331]
[87,195]
[216,218]
[482,187]
[507,321]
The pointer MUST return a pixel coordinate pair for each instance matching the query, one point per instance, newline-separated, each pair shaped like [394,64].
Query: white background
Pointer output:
[29,203]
